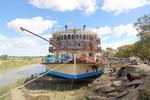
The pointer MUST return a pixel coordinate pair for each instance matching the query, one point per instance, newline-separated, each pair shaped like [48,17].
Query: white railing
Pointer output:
[80,48]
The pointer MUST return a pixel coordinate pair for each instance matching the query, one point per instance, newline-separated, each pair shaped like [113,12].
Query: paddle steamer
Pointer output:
[76,51]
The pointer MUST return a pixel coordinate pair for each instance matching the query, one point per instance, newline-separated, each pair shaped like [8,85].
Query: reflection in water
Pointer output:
[11,76]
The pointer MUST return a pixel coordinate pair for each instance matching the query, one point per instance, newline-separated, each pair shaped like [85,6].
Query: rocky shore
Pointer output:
[119,87]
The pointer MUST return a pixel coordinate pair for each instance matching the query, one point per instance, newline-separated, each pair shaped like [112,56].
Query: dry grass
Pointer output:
[78,94]
[14,62]
[10,87]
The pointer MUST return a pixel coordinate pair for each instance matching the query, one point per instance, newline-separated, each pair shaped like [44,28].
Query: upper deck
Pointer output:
[73,30]
[75,39]
[75,35]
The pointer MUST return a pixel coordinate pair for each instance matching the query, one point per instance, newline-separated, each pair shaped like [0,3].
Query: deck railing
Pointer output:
[67,40]
[79,48]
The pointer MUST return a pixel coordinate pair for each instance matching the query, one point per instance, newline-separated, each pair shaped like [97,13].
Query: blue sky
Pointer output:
[115,19]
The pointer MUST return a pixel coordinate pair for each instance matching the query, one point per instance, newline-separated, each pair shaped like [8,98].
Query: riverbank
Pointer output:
[8,88]
[12,75]
[120,87]
[105,87]
[13,62]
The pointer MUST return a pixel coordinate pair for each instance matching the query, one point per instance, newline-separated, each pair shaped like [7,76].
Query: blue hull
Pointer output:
[75,76]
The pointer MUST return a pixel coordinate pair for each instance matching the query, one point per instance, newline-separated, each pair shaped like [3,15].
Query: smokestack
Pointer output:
[66,27]
[84,27]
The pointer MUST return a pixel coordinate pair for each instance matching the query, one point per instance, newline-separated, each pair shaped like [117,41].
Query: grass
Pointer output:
[143,74]
[13,62]
[77,94]
[10,87]
[144,94]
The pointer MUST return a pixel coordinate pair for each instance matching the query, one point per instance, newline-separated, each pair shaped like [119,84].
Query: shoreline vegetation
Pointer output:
[14,62]
[43,94]
[10,87]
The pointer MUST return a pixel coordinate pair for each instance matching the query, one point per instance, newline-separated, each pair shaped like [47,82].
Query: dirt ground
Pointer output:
[92,90]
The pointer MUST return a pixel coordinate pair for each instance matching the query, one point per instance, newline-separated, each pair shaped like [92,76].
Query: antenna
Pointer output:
[66,27]
[84,27]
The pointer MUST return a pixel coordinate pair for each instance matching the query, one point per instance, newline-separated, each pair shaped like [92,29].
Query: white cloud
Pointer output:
[124,29]
[2,42]
[47,36]
[105,38]
[117,31]
[87,6]
[2,37]
[118,43]
[69,23]
[120,6]
[24,43]
[24,46]
[36,25]
[104,30]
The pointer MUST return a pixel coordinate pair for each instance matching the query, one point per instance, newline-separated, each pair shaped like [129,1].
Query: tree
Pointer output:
[143,27]
[4,57]
[109,52]
[125,51]
[141,50]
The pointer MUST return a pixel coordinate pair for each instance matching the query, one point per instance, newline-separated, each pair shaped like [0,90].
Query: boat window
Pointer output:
[76,36]
[62,37]
[65,37]
[78,44]
[84,36]
[71,44]
[80,36]
[81,44]
[72,36]
[90,54]
[57,38]
[69,36]
[65,44]
[74,44]
[87,44]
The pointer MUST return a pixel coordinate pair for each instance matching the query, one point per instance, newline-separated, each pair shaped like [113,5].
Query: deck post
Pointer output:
[74,63]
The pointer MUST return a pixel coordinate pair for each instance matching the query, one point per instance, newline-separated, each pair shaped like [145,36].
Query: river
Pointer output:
[10,76]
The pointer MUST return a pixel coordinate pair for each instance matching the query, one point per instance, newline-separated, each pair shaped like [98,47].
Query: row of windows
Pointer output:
[77,36]
[74,44]
[76,32]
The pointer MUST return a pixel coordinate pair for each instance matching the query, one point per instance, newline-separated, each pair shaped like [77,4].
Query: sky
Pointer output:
[113,20]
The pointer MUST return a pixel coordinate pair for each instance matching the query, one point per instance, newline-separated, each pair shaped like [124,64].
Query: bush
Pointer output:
[3,57]
[144,94]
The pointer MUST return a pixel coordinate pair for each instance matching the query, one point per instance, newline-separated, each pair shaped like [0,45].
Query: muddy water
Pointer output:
[11,76]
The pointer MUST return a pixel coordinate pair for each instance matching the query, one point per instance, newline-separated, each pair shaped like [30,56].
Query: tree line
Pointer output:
[140,48]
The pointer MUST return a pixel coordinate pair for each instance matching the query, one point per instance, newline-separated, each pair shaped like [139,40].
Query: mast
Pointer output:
[74,53]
